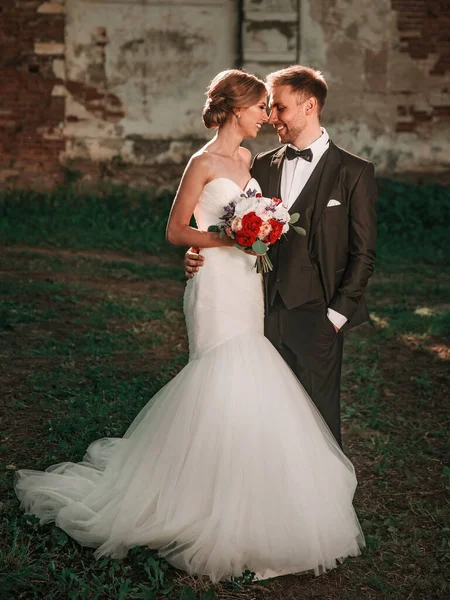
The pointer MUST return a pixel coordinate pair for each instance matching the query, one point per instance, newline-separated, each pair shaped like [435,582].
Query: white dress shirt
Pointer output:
[295,174]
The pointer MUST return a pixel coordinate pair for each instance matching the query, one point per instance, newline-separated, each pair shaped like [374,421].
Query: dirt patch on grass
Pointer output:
[158,289]
[142,258]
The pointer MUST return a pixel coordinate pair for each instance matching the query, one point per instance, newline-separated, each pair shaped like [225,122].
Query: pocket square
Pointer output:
[333,202]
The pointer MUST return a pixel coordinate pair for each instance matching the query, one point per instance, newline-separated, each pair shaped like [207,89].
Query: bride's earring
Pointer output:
[238,115]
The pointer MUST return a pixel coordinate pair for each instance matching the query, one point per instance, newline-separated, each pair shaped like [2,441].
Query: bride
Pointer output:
[229,466]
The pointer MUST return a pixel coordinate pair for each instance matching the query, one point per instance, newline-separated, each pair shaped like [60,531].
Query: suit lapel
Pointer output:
[275,171]
[320,183]
[330,172]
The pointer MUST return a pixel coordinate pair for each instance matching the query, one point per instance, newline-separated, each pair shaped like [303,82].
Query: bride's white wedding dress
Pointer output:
[229,466]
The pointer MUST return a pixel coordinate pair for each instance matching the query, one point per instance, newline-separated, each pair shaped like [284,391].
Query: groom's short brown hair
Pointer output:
[304,80]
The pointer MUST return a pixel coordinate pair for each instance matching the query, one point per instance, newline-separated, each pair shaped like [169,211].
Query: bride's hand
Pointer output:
[252,253]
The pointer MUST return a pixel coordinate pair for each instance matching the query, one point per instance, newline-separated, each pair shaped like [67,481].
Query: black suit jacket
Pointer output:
[341,239]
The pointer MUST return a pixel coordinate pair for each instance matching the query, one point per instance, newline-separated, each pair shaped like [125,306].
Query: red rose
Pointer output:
[251,223]
[276,200]
[245,238]
[258,195]
[275,234]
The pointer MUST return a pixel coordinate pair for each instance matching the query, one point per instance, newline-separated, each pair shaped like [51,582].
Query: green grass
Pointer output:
[413,222]
[116,217]
[87,337]
[83,387]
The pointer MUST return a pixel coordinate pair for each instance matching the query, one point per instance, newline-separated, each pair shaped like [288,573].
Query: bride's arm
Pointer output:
[179,232]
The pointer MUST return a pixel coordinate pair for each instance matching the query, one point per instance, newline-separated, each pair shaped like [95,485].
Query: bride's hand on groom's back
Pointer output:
[193,260]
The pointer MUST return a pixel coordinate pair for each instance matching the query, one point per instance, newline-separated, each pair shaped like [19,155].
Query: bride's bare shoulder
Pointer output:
[201,156]
[203,159]
[200,162]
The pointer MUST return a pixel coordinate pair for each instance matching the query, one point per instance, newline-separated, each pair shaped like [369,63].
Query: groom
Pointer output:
[316,289]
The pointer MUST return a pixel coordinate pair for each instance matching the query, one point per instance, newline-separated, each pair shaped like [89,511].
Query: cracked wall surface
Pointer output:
[136,74]
[117,86]
[388,66]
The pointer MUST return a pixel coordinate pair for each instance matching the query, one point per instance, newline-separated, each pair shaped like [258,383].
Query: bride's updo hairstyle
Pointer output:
[229,90]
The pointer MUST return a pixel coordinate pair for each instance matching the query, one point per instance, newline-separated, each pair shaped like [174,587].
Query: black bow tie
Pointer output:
[306,154]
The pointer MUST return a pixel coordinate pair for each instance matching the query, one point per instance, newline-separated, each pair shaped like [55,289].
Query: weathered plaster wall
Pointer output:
[101,84]
[388,66]
[136,75]
[116,87]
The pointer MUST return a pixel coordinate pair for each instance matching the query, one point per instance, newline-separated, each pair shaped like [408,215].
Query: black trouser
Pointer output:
[308,342]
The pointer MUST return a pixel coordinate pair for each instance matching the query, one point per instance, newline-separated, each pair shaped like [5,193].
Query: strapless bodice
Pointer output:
[215,196]
[225,298]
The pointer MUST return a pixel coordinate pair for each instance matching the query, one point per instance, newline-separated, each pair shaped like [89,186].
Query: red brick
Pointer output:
[423,27]
[26,85]
[443,112]
[405,127]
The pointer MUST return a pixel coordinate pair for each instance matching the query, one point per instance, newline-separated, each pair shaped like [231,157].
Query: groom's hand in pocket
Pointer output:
[193,260]
[336,328]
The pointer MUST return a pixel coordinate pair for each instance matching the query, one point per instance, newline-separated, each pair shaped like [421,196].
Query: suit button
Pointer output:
[278,280]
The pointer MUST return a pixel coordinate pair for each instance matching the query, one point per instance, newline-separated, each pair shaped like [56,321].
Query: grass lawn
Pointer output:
[91,326]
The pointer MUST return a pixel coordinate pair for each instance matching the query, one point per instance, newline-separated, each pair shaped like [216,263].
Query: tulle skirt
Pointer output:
[228,467]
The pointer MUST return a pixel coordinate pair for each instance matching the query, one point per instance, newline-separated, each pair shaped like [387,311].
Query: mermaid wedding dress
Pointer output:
[229,466]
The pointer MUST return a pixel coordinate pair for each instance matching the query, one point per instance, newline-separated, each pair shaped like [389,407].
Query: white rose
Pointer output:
[281,213]
[245,206]
[261,211]
[285,228]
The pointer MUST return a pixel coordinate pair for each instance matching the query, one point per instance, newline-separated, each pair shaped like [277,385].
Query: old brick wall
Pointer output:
[107,88]
[31,117]
[424,37]
[388,65]
[115,88]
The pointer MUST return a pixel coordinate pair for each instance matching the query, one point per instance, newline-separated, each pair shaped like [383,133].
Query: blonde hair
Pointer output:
[303,80]
[229,90]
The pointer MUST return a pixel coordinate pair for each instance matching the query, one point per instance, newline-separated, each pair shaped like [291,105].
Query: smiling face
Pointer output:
[252,117]
[288,113]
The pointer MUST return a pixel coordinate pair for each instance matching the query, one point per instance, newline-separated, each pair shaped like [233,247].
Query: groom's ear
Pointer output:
[311,106]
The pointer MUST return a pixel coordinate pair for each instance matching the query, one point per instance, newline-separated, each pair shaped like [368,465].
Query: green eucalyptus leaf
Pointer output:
[294,218]
[259,247]
[239,247]
[299,230]
[214,228]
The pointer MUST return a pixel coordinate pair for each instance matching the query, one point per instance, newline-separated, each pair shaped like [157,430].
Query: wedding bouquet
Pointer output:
[256,222]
